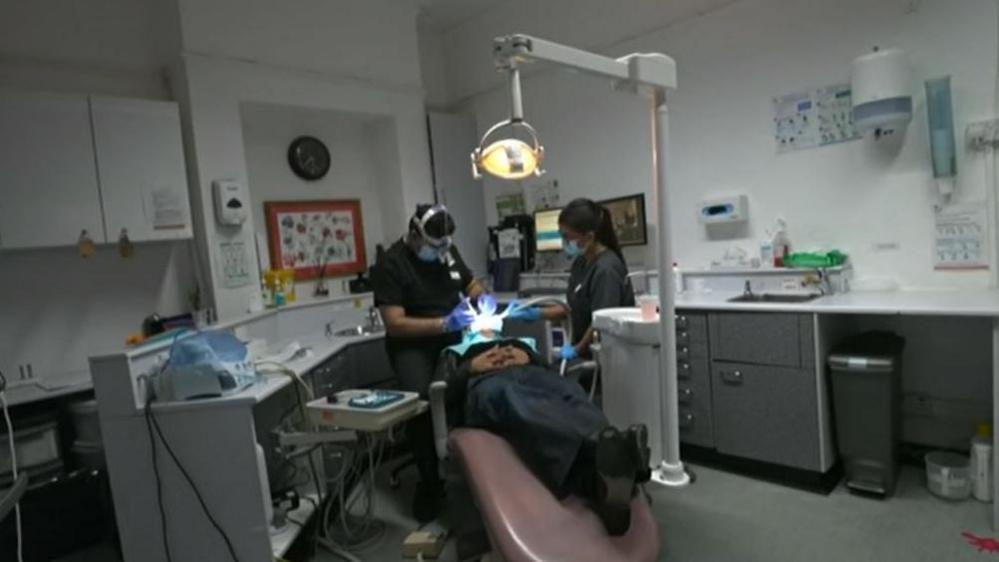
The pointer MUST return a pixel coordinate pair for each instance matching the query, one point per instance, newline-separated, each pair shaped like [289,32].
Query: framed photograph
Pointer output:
[314,236]
[628,214]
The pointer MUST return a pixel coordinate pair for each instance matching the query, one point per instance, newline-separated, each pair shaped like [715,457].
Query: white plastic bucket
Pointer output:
[948,475]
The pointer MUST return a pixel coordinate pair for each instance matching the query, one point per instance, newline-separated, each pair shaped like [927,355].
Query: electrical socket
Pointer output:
[982,135]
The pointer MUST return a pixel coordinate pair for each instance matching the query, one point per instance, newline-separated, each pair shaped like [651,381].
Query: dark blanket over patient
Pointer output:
[547,419]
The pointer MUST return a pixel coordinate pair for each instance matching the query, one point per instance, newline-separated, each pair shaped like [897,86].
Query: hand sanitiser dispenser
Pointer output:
[880,87]
[942,147]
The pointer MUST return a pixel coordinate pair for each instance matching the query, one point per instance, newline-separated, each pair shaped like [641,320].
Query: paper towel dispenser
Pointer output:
[734,209]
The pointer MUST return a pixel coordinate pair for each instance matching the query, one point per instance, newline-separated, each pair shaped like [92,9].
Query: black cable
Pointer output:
[194,487]
[159,484]
[3,382]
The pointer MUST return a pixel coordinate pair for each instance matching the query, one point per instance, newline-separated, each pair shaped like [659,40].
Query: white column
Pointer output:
[670,472]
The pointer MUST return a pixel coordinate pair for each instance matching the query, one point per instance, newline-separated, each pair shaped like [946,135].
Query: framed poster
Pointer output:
[628,214]
[314,236]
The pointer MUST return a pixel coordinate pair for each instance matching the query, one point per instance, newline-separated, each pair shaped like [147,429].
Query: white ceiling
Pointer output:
[442,15]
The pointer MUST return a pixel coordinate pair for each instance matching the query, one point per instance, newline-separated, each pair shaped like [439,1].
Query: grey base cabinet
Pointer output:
[360,365]
[766,413]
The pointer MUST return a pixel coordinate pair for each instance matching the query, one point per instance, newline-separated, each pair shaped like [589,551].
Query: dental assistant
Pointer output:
[598,278]
[422,287]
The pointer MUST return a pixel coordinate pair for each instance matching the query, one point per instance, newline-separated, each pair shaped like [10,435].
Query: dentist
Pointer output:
[422,289]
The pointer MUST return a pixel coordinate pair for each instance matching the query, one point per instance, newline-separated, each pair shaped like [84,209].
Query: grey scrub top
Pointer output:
[595,286]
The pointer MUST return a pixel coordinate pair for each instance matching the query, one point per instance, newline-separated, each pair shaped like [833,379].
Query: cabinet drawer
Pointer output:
[695,426]
[369,364]
[691,352]
[763,338]
[766,413]
[695,326]
[331,376]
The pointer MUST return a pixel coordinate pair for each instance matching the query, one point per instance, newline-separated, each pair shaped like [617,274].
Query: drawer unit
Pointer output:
[694,380]
[780,339]
[766,413]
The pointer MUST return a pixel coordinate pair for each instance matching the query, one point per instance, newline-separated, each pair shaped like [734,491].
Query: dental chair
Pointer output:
[523,520]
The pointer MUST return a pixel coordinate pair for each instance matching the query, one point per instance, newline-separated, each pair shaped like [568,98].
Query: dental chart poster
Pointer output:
[961,240]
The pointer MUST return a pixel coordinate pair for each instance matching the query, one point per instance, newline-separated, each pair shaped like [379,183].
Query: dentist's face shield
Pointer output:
[435,226]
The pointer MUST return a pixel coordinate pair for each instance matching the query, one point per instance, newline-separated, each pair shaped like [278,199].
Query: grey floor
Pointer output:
[727,518]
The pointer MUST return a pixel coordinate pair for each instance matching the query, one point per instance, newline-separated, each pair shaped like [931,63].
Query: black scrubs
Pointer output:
[602,283]
[424,290]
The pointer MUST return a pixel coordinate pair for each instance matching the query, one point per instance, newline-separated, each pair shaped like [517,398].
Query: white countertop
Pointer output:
[320,349]
[979,302]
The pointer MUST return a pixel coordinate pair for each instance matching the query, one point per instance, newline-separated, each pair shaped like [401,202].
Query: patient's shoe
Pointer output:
[638,435]
[428,501]
[616,469]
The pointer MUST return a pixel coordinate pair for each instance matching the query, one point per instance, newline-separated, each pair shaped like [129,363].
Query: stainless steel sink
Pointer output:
[774,298]
[359,331]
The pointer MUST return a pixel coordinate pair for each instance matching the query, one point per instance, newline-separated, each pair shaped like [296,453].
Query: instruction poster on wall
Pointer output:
[166,208]
[961,240]
[235,264]
[814,118]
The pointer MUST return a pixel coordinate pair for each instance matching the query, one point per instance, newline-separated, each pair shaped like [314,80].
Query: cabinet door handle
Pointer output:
[686,395]
[732,377]
[683,352]
[686,420]
[681,321]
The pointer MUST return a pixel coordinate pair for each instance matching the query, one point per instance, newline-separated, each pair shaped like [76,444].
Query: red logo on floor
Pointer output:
[983,544]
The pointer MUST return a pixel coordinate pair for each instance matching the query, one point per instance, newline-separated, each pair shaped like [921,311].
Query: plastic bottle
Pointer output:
[781,243]
[981,463]
[767,250]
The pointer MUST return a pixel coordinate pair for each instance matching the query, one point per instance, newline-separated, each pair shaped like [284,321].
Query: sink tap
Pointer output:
[747,289]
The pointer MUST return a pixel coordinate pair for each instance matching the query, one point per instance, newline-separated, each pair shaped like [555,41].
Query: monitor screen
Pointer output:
[546,236]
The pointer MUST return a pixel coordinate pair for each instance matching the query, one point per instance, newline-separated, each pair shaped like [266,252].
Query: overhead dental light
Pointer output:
[510,158]
[647,74]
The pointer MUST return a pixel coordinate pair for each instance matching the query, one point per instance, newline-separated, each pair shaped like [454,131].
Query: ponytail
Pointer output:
[605,233]
[585,215]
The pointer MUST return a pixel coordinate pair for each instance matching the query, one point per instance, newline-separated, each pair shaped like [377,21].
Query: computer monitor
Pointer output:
[546,236]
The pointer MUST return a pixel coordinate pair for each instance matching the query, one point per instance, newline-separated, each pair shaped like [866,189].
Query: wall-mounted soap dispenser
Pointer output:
[942,145]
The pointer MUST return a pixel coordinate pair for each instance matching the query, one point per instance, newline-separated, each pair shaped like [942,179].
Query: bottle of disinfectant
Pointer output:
[981,463]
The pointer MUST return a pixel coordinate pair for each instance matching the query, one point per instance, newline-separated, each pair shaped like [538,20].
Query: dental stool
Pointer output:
[523,520]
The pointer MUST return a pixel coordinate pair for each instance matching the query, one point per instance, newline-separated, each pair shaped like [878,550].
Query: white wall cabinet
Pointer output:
[70,163]
[48,181]
[140,166]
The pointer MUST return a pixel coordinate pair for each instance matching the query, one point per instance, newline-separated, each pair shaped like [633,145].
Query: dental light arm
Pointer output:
[655,70]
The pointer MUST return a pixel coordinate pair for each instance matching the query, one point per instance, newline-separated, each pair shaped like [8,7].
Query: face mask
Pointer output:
[428,254]
[571,249]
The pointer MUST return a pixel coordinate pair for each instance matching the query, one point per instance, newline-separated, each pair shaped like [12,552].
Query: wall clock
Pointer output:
[309,158]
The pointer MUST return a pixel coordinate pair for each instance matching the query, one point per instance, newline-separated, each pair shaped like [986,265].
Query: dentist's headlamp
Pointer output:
[435,226]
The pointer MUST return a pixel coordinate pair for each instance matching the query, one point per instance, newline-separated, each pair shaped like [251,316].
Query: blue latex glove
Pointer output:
[567,352]
[459,318]
[515,311]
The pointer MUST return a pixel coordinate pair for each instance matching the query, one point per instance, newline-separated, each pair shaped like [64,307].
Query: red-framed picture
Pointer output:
[314,236]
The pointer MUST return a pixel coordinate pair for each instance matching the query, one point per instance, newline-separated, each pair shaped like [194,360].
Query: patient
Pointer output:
[500,384]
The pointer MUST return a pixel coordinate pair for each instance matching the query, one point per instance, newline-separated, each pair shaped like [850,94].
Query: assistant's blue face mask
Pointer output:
[570,248]
[428,254]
